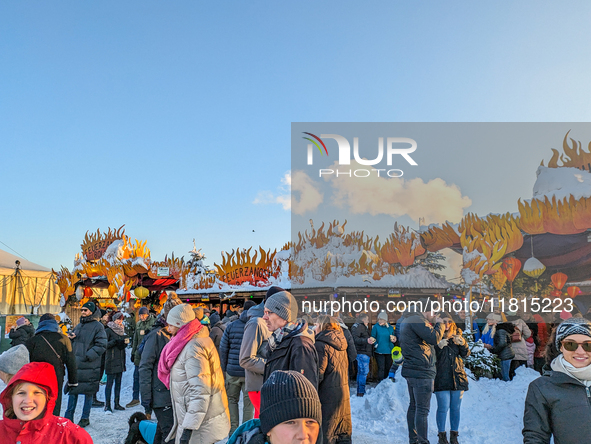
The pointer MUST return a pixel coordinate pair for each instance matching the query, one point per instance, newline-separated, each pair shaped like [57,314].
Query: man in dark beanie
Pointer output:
[50,345]
[287,396]
[251,357]
[155,395]
[89,342]
[229,352]
[143,326]
[291,344]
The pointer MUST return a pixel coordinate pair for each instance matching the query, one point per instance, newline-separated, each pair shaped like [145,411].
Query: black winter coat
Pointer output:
[450,366]
[502,341]
[333,386]
[230,346]
[360,335]
[21,335]
[39,351]
[557,405]
[295,352]
[417,340]
[115,354]
[153,392]
[351,349]
[89,345]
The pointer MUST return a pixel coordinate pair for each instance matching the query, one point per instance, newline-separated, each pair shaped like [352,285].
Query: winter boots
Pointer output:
[453,437]
[442,438]
[96,402]
[117,406]
[108,408]
[84,422]
[133,403]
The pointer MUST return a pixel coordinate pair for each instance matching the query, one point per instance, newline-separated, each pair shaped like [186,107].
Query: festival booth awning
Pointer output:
[26,287]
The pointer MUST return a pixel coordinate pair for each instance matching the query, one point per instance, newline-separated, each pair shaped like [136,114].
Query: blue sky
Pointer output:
[172,117]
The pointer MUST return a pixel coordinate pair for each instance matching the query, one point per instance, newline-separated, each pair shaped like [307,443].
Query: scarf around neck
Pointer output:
[118,329]
[281,333]
[173,349]
[48,325]
[583,375]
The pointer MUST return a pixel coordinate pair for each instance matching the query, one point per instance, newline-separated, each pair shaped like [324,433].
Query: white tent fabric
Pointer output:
[28,288]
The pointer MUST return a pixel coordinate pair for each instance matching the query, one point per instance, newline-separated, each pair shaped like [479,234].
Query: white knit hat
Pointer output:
[180,315]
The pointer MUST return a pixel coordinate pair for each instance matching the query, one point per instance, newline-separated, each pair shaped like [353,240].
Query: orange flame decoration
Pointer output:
[493,237]
[402,247]
[498,279]
[566,216]
[239,267]
[95,244]
[64,281]
[558,280]
[436,238]
[573,156]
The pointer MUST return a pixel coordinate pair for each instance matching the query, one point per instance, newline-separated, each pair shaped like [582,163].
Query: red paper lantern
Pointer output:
[88,292]
[556,293]
[558,280]
[510,268]
[573,291]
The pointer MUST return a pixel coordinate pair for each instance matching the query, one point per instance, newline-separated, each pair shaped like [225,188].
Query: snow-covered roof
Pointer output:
[8,261]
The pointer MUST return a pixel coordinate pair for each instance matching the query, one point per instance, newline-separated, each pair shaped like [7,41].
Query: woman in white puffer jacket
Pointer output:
[190,366]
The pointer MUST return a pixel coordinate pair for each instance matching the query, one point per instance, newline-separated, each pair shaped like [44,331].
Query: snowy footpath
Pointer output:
[492,412]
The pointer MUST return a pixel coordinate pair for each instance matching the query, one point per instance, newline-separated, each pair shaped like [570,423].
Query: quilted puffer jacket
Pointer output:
[198,395]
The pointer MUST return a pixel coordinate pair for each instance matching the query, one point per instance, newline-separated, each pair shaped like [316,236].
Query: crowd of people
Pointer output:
[192,366]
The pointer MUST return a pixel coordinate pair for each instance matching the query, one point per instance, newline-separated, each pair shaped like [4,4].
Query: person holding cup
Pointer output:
[383,335]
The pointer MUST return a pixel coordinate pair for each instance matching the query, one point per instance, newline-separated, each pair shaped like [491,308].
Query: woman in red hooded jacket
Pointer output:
[28,403]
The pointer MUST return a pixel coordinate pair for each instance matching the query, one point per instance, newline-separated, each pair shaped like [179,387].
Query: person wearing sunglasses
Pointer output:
[558,404]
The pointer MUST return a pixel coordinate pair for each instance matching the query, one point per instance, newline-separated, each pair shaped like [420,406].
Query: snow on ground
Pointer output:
[492,412]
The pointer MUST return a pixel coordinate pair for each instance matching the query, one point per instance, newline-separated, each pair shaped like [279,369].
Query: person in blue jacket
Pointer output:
[488,333]
[383,333]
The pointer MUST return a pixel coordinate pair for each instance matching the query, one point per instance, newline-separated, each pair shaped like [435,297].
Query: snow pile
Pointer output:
[561,183]
[491,413]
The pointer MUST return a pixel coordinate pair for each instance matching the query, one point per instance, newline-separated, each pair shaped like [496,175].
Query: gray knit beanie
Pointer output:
[180,315]
[572,326]
[288,395]
[284,305]
[13,359]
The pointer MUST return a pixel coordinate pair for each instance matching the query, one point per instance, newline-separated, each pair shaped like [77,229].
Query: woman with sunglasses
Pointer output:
[558,404]
[451,380]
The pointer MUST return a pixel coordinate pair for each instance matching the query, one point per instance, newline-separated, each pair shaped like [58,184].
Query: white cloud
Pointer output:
[305,195]
[435,201]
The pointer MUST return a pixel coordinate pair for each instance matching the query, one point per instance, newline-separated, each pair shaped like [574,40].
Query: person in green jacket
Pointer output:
[142,327]
[383,333]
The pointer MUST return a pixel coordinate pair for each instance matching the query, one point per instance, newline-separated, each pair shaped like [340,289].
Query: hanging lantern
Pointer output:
[510,269]
[498,279]
[141,292]
[558,280]
[79,292]
[556,293]
[573,291]
[533,268]
[88,292]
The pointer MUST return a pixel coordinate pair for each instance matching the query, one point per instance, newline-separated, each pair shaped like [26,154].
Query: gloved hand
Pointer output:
[442,343]
[458,340]
[186,436]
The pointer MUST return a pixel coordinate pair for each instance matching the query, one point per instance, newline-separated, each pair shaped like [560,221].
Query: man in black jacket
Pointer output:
[364,345]
[291,346]
[418,339]
[89,342]
[155,396]
[235,378]
[21,332]
[50,345]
